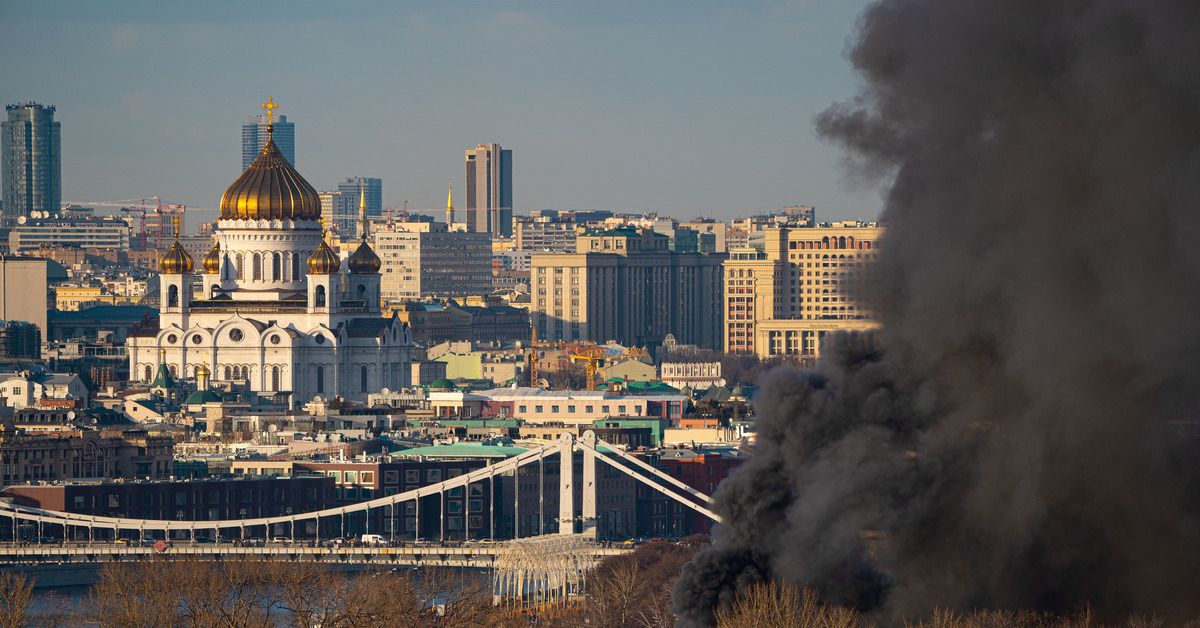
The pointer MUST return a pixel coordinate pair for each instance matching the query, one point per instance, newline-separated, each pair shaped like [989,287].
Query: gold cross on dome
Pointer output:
[175,224]
[270,106]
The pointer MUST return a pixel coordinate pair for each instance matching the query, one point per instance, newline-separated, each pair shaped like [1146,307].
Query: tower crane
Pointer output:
[595,358]
[141,223]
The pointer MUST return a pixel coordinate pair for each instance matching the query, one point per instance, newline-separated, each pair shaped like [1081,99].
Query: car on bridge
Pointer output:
[124,541]
[282,540]
[254,541]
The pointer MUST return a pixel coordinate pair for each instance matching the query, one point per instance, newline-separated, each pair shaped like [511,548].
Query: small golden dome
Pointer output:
[212,261]
[176,261]
[364,261]
[323,261]
[270,189]
[202,371]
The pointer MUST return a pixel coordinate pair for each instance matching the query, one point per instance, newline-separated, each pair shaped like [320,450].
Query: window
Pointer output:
[276,270]
[412,476]
[519,408]
[570,409]
[604,409]
[336,475]
[554,409]
[368,477]
[319,298]
[537,409]
[274,378]
[363,378]
[351,477]
[391,477]
[320,379]
[257,267]
[588,409]
[621,409]
[16,390]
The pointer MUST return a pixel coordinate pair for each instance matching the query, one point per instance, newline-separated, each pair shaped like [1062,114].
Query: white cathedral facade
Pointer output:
[278,312]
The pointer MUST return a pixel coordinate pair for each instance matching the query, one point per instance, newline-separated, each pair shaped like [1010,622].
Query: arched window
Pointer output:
[245,372]
[295,268]
[228,375]
[320,297]
[227,268]
[364,378]
[320,379]
[276,267]
[172,369]
[240,268]
[287,266]
[257,268]
[274,378]
[148,372]
[173,296]
[362,292]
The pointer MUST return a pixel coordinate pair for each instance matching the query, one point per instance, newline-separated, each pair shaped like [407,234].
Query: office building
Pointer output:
[803,283]
[489,190]
[24,291]
[544,231]
[626,285]
[254,138]
[354,195]
[31,234]
[422,259]
[31,144]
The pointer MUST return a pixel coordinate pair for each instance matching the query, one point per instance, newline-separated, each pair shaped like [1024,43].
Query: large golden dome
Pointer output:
[323,261]
[270,189]
[176,261]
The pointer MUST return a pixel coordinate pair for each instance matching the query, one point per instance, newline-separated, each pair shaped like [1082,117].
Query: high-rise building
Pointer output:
[783,297]
[341,208]
[254,137]
[489,190]
[32,161]
[626,285]
[421,259]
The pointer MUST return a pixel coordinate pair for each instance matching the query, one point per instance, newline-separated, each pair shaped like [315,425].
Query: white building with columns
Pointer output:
[279,313]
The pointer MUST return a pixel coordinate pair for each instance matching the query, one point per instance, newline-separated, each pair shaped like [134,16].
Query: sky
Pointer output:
[687,109]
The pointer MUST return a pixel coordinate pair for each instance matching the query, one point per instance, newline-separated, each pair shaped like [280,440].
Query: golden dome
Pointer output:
[270,189]
[176,261]
[364,261]
[212,260]
[323,261]
[202,371]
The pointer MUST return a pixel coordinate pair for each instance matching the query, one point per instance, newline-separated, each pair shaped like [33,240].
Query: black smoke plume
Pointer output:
[1016,435]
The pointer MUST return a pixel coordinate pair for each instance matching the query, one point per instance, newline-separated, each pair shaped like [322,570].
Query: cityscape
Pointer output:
[589,388]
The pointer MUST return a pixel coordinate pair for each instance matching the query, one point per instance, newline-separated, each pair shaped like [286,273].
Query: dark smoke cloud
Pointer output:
[1014,436]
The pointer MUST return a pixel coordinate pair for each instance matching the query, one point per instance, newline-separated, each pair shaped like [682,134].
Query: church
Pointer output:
[278,313]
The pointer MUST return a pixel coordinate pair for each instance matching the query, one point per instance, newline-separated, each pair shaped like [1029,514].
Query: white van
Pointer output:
[373,539]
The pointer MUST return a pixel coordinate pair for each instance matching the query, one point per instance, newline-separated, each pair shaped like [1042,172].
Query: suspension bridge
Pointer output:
[540,564]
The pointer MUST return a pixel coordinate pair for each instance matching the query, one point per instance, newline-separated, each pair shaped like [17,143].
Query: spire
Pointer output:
[362,208]
[449,206]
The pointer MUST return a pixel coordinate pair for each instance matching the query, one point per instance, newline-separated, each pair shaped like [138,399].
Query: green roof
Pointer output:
[163,378]
[465,450]
[654,387]
[444,383]
[202,396]
[611,380]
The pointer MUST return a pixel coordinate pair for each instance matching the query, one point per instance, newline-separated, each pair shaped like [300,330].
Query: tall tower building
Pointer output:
[32,161]
[353,192]
[254,137]
[489,190]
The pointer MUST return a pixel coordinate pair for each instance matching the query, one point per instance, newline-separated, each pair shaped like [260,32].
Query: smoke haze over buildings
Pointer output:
[1012,434]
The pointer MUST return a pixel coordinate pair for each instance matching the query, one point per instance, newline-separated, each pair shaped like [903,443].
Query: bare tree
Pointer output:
[16,592]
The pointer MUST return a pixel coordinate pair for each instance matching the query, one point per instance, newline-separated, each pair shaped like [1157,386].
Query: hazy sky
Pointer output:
[684,108]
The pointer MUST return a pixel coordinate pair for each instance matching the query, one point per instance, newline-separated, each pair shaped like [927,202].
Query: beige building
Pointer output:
[23,291]
[627,286]
[423,259]
[804,283]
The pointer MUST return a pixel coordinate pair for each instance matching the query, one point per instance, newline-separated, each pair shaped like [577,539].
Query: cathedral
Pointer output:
[277,313]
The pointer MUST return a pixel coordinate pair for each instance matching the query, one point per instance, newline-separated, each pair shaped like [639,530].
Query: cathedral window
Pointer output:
[240,269]
[172,369]
[274,378]
[295,268]
[257,267]
[276,267]
[228,375]
[236,335]
[363,374]
[320,378]
[362,292]
[148,372]
[320,299]
[173,296]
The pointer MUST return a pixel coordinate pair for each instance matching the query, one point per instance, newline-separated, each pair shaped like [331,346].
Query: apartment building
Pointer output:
[424,259]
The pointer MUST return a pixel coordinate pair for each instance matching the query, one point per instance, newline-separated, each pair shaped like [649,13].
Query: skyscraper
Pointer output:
[254,137]
[32,161]
[489,190]
[345,203]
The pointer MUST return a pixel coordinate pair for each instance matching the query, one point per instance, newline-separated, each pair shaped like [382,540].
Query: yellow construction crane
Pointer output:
[595,358]
[532,356]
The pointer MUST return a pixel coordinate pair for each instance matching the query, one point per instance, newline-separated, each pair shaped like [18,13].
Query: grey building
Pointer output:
[32,161]
[344,208]
[254,137]
[489,190]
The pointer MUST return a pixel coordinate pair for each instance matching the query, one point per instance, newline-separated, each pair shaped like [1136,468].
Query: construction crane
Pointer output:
[532,356]
[595,359]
